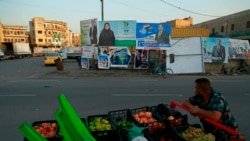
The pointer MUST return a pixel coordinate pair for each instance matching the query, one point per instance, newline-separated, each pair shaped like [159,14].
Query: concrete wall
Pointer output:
[221,68]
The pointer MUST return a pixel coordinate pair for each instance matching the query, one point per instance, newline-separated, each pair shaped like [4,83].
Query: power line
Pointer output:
[188,10]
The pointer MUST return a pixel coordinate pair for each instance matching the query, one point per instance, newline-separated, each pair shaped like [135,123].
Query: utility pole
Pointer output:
[102,10]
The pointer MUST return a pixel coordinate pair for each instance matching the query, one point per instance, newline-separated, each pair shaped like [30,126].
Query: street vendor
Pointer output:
[209,103]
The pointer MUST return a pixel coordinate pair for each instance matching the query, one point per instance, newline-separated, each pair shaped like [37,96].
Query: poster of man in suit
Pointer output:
[153,35]
[93,32]
[89,32]
[162,37]
[215,49]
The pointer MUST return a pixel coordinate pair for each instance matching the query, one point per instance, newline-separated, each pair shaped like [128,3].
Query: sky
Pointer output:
[20,12]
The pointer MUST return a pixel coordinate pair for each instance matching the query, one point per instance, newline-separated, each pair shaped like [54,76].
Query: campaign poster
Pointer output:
[89,32]
[103,50]
[238,49]
[85,63]
[141,59]
[89,52]
[103,61]
[117,33]
[215,50]
[119,57]
[153,35]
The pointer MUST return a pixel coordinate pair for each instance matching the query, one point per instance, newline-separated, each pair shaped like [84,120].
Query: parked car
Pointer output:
[50,57]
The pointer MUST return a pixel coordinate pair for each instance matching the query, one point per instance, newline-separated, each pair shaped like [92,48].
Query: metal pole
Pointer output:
[102,10]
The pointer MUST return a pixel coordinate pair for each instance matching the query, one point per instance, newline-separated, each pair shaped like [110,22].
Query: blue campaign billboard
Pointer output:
[153,35]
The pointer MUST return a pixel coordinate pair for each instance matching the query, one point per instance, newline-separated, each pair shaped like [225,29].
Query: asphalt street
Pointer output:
[29,92]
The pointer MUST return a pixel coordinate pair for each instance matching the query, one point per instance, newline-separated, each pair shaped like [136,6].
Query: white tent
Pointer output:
[187,56]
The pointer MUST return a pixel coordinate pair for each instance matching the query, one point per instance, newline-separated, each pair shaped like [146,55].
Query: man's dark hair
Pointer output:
[203,83]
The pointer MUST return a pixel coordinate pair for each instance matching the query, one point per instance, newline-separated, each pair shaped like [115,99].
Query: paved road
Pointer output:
[29,91]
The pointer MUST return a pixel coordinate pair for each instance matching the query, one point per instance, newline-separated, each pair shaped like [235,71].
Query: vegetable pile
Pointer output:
[197,134]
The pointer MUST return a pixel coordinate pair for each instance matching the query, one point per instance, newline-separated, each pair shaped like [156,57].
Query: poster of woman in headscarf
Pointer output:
[117,33]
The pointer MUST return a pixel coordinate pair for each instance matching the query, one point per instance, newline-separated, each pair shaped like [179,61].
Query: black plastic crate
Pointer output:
[37,125]
[59,134]
[105,134]
[161,111]
[178,130]
[122,121]
[157,136]
[180,120]
[137,111]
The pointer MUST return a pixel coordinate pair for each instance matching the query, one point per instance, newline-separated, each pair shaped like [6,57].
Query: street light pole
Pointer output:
[102,10]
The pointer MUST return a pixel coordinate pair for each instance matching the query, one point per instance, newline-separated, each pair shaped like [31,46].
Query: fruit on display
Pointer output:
[46,129]
[155,127]
[196,134]
[99,124]
[170,118]
[124,123]
[144,117]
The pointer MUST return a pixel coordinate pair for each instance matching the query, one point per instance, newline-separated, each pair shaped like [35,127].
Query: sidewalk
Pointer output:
[72,69]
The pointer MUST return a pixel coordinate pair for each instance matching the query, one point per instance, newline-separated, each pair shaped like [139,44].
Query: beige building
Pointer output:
[180,23]
[49,33]
[181,28]
[13,33]
[76,40]
[236,26]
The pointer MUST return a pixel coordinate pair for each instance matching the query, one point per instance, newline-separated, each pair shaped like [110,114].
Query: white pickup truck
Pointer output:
[70,52]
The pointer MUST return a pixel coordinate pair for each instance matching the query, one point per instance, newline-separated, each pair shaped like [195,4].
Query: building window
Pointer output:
[22,40]
[39,31]
[5,40]
[232,27]
[248,24]
[49,40]
[40,40]
[213,30]
[222,29]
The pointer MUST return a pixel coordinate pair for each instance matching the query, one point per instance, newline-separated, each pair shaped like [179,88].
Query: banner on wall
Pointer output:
[89,32]
[153,35]
[57,39]
[89,52]
[215,49]
[117,33]
[103,61]
[85,63]
[239,49]
[119,57]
